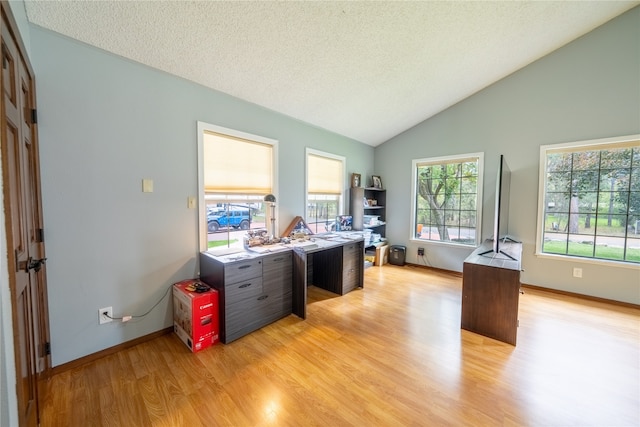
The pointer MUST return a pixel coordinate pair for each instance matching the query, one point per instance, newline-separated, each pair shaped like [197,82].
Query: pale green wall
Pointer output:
[20,15]
[586,90]
[106,123]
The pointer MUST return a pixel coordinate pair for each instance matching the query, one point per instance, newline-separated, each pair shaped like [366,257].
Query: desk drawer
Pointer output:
[253,313]
[242,270]
[351,250]
[241,290]
[350,276]
[277,272]
[276,262]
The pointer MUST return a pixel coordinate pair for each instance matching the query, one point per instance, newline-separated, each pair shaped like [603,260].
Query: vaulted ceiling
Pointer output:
[365,70]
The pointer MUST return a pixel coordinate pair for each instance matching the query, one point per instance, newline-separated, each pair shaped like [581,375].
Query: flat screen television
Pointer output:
[501,212]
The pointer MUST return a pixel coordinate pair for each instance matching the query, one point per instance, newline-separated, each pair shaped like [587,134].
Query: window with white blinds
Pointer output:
[325,187]
[324,174]
[236,170]
[237,166]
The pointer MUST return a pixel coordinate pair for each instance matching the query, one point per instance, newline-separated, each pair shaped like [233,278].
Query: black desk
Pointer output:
[336,265]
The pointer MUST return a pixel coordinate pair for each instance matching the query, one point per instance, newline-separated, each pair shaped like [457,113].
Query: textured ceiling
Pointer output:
[366,70]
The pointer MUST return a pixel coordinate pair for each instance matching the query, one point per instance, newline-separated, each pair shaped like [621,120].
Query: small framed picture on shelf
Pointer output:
[376,182]
[355,180]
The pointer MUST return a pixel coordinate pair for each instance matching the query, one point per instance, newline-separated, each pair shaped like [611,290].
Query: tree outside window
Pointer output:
[591,199]
[447,199]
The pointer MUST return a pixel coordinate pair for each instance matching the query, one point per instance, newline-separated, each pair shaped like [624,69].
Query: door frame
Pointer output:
[11,347]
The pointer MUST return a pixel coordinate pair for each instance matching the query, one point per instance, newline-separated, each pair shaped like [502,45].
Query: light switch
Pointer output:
[191,202]
[147,185]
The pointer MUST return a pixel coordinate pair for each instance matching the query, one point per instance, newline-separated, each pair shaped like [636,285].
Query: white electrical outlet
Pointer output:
[105,319]
[577,272]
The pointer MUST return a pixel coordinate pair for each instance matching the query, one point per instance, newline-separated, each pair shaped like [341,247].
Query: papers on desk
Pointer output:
[338,240]
[221,251]
[341,237]
[354,236]
[306,244]
[267,249]
[236,257]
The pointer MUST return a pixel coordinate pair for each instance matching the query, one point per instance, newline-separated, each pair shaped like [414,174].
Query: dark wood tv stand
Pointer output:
[491,291]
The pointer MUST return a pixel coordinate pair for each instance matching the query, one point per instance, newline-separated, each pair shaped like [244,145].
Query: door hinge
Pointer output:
[40,235]
[34,116]
[47,348]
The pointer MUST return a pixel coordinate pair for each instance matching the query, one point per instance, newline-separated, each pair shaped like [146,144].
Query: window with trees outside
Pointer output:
[590,199]
[448,194]
[236,171]
[325,188]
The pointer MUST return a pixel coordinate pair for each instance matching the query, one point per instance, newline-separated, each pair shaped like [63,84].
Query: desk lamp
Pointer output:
[271,202]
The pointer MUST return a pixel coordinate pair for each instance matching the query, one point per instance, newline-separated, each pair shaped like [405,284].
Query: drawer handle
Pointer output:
[263,297]
[242,267]
[277,259]
[246,285]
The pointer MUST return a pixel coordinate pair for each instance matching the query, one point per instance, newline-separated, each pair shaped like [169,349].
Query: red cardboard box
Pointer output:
[195,314]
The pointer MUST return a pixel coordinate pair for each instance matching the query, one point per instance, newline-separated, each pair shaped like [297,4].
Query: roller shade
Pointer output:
[236,166]
[324,175]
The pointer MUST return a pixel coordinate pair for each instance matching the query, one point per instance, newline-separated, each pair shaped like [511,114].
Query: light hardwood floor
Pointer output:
[391,354]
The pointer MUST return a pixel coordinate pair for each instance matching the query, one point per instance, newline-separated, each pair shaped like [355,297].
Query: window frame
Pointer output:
[596,144]
[203,127]
[455,158]
[341,198]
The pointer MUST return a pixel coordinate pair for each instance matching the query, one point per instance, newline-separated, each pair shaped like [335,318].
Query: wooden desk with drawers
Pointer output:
[256,289]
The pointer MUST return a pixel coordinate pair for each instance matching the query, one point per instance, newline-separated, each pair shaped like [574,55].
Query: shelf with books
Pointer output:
[368,210]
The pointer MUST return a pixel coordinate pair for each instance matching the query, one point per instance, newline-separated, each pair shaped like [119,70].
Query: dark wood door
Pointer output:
[23,221]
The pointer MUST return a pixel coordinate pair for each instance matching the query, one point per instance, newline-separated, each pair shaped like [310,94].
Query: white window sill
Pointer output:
[596,261]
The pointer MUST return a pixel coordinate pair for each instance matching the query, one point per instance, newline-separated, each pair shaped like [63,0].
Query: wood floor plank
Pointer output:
[130,404]
[52,398]
[389,354]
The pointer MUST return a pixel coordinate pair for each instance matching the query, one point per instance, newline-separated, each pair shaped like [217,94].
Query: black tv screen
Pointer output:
[501,214]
